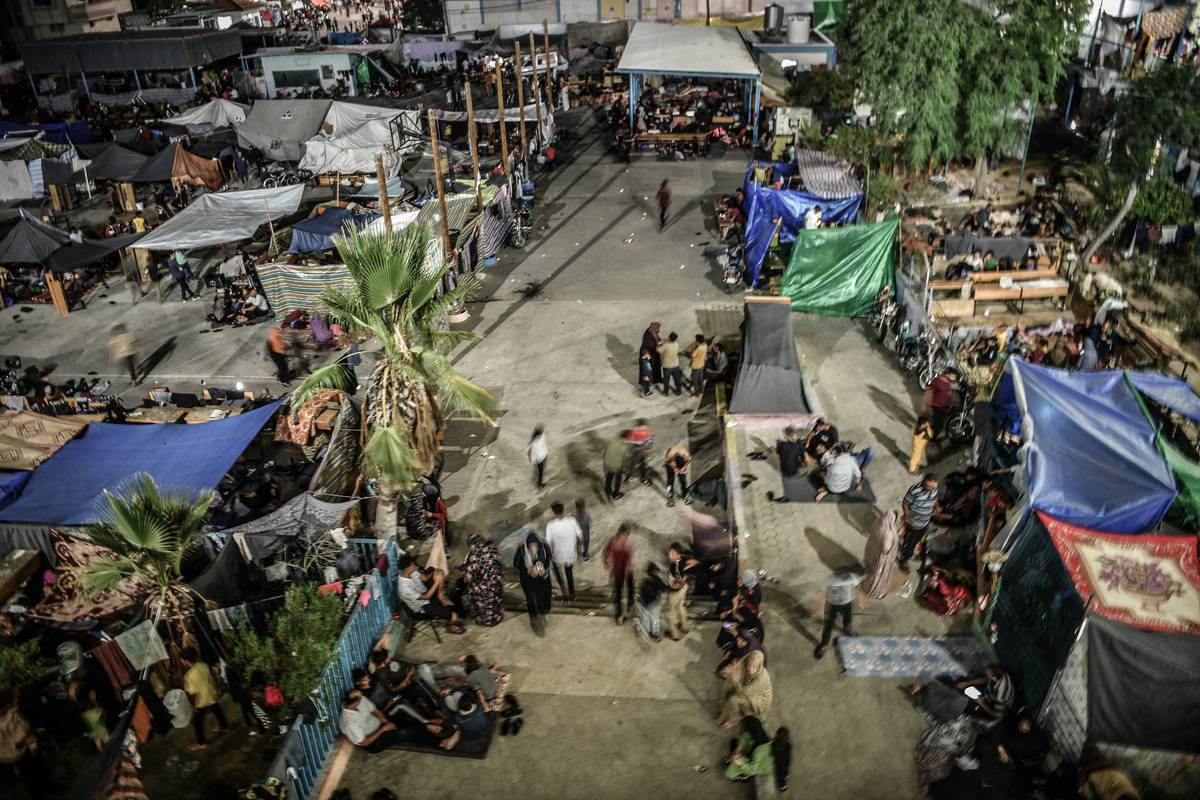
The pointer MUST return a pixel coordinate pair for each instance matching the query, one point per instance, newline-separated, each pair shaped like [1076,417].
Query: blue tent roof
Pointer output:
[316,233]
[1091,460]
[67,487]
[1173,393]
[764,205]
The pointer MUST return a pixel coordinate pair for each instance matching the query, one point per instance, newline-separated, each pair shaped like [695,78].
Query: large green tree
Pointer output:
[1157,110]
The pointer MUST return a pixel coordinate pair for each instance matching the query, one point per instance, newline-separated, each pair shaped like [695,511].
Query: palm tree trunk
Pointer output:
[981,171]
[387,512]
[1112,225]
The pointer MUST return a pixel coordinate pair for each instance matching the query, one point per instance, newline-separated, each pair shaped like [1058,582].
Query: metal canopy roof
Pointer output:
[658,49]
[122,51]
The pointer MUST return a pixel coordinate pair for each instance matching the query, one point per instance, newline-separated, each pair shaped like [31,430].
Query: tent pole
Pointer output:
[537,92]
[473,138]
[503,127]
[384,203]
[521,105]
[272,249]
[441,188]
[546,55]
[337,189]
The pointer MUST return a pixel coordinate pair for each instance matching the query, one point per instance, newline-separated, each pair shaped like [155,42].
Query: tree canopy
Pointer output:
[947,79]
[1161,105]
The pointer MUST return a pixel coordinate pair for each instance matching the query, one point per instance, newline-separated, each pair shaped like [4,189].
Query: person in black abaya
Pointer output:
[532,563]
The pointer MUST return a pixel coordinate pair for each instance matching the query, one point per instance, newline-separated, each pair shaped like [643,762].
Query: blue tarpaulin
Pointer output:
[316,233]
[10,486]
[764,205]
[68,487]
[78,132]
[1174,393]
[1091,456]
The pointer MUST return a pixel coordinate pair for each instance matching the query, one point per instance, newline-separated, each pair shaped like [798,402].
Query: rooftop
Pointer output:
[661,49]
[120,51]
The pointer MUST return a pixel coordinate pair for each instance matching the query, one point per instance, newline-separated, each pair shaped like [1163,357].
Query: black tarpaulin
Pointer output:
[30,241]
[116,163]
[74,255]
[769,380]
[1143,687]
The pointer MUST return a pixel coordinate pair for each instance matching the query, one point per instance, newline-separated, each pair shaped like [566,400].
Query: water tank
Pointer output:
[773,18]
[798,30]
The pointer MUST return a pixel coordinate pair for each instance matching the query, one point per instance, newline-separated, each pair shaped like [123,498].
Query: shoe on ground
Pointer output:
[819,653]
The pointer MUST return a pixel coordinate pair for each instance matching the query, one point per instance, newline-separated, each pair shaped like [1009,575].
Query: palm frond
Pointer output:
[331,376]
[437,309]
[445,341]
[390,456]
[105,575]
[347,308]
[455,392]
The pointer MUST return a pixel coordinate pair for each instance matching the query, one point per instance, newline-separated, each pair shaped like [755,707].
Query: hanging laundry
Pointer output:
[142,646]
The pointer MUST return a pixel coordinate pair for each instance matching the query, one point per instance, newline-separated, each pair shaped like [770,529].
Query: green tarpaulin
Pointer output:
[1185,512]
[840,271]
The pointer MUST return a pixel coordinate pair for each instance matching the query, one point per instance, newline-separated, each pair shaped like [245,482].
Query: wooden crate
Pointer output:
[953,308]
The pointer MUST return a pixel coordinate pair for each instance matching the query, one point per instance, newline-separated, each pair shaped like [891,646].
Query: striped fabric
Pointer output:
[299,286]
[460,208]
[824,176]
[495,222]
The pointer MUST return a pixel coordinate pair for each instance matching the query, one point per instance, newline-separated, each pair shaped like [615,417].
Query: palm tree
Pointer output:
[150,533]
[413,385]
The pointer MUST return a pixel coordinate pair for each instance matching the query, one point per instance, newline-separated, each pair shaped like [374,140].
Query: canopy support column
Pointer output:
[757,110]
[137,81]
[635,91]
[86,89]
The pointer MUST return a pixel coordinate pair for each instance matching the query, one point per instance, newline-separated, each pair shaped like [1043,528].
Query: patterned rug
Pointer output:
[910,656]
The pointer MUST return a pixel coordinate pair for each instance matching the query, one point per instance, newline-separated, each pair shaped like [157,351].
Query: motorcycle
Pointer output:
[932,365]
[522,223]
[913,351]
[731,268]
[883,316]
[960,425]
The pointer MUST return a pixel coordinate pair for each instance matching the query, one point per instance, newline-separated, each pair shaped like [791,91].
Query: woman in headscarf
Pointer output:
[751,753]
[1022,745]
[532,563]
[879,559]
[650,341]
[485,579]
[745,642]
[742,617]
[747,690]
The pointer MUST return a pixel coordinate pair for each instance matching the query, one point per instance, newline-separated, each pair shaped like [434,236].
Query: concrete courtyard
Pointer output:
[607,715]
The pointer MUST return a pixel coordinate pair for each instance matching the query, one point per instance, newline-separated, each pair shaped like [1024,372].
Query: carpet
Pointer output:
[910,656]
[467,748]
[802,488]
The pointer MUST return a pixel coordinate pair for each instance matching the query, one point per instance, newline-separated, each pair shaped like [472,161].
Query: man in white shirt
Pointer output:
[361,722]
[839,600]
[565,538]
[425,602]
[812,218]
[843,471]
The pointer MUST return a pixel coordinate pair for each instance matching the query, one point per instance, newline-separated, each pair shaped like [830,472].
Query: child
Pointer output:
[538,451]
[93,722]
[645,372]
[922,434]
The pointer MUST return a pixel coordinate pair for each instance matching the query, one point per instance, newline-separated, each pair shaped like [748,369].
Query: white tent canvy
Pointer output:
[220,217]
[218,113]
[350,138]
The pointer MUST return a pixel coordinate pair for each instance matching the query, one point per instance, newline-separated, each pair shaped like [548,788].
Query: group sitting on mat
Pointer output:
[839,466]
[431,706]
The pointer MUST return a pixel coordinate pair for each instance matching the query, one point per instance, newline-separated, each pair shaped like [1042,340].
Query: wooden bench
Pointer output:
[944,285]
[1019,293]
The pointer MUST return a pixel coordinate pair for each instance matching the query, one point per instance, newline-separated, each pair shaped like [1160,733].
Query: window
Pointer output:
[296,78]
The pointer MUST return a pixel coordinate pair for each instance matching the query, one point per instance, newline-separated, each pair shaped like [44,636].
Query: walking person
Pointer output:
[676,468]
[123,349]
[698,355]
[674,612]
[937,398]
[277,350]
[201,688]
[615,454]
[180,273]
[919,505]
[668,353]
[565,538]
[532,563]
[922,435]
[663,198]
[649,603]
[538,451]
[485,580]
[617,557]
[839,600]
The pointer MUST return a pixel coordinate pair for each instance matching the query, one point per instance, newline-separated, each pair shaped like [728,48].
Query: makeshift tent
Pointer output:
[1089,452]
[66,488]
[74,255]
[114,163]
[292,287]
[353,153]
[301,512]
[1013,247]
[1174,393]
[45,172]
[765,205]
[769,379]
[316,233]
[213,144]
[279,128]
[217,113]
[370,190]
[174,163]
[826,176]
[217,218]
[840,271]
[30,241]
[15,183]
[27,439]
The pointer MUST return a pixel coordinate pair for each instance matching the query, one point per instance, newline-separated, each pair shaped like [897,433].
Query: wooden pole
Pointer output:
[521,105]
[546,53]
[503,128]
[384,203]
[441,188]
[474,139]
[337,192]
[537,92]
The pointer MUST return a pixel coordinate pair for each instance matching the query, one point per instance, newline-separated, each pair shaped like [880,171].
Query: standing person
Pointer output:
[615,454]
[919,504]
[532,563]
[641,440]
[651,339]
[668,353]
[650,596]
[123,349]
[839,599]
[277,349]
[883,544]
[585,524]
[674,613]
[677,463]
[179,273]
[645,371]
[565,538]
[698,355]
[485,580]
[663,198]
[922,435]
[201,688]
[617,557]
[538,451]
[938,400]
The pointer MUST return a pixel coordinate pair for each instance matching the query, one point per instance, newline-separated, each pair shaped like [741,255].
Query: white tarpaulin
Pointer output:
[658,49]
[345,117]
[220,217]
[15,183]
[218,113]
[350,138]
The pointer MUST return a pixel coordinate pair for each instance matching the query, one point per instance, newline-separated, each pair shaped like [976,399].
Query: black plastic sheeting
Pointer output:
[769,380]
[166,49]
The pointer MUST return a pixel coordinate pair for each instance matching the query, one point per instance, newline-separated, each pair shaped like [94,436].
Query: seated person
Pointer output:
[426,602]
[1100,779]
[551,156]
[322,336]
[466,714]
[254,306]
[367,727]
[993,693]
[790,452]
[741,615]
[821,438]
[406,691]
[990,264]
[842,471]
